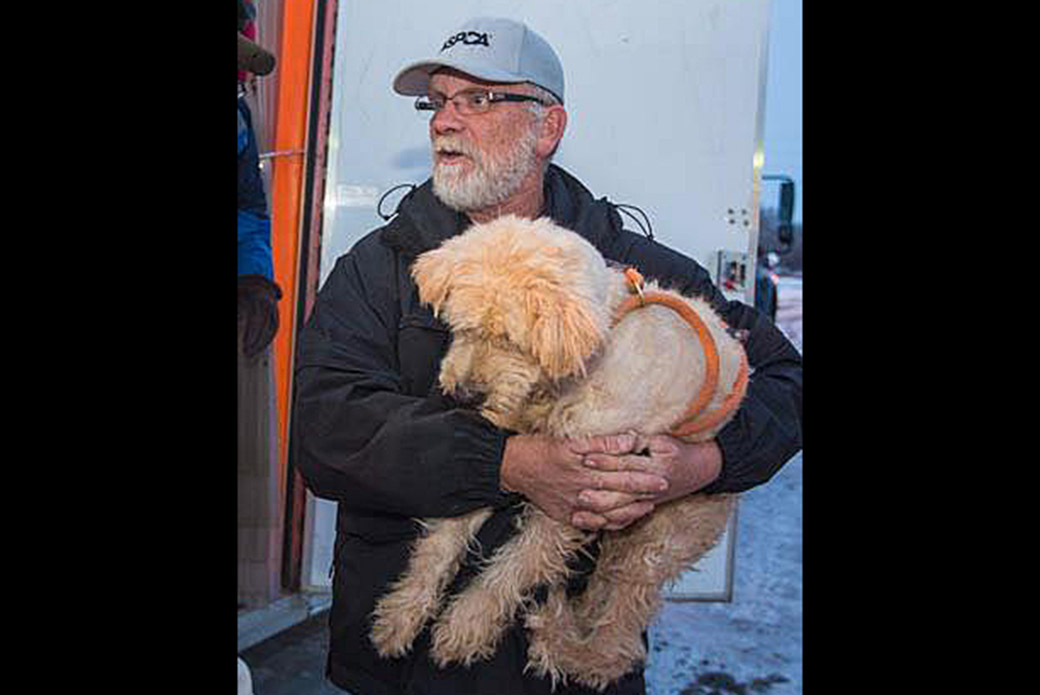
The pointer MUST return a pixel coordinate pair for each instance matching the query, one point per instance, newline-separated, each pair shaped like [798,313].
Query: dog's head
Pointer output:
[527,294]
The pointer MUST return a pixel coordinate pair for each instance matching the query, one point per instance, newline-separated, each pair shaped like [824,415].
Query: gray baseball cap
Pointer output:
[492,49]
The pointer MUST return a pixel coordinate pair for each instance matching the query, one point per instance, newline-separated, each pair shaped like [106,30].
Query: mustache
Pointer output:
[449,143]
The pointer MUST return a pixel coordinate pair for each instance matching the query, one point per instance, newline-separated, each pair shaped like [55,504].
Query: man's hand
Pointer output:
[552,474]
[686,467]
[258,311]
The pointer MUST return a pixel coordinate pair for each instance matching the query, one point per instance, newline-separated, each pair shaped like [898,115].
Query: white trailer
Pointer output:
[666,103]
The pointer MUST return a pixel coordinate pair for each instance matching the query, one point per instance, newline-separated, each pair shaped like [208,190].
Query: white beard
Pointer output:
[491,181]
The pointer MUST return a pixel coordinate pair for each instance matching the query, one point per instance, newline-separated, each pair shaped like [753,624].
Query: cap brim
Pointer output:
[414,80]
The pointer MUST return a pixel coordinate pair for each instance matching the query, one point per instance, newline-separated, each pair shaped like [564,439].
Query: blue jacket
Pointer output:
[254,224]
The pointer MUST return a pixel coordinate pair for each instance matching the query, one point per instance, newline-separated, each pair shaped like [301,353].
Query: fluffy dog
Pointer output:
[540,332]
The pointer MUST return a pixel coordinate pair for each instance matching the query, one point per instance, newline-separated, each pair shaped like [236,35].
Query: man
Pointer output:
[378,437]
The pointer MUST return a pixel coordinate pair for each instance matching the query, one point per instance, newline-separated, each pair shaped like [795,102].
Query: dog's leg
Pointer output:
[473,622]
[597,637]
[553,629]
[416,597]
[590,639]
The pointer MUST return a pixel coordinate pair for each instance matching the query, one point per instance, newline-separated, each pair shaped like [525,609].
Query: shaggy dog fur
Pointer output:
[531,307]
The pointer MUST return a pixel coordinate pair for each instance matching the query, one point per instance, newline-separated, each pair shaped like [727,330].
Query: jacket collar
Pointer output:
[571,205]
[424,222]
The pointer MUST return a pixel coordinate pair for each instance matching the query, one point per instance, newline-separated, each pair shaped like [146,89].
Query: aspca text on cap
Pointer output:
[469,38]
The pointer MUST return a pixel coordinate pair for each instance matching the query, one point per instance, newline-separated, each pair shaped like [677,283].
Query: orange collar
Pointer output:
[694,420]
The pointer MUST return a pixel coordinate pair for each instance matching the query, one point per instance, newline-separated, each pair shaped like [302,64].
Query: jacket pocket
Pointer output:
[422,341]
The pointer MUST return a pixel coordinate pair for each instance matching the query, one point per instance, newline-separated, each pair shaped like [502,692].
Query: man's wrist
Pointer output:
[508,477]
[700,464]
[711,462]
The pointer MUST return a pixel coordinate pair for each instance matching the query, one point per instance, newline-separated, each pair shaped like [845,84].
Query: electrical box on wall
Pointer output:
[731,272]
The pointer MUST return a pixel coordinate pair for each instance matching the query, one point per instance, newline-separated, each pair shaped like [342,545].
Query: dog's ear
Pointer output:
[432,273]
[564,333]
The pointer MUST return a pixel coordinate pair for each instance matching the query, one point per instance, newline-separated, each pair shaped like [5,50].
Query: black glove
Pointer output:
[258,308]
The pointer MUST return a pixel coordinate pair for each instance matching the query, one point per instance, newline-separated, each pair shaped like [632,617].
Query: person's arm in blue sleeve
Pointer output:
[254,246]
[254,223]
[258,294]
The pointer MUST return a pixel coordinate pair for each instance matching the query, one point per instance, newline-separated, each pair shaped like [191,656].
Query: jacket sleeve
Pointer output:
[360,438]
[767,429]
[254,224]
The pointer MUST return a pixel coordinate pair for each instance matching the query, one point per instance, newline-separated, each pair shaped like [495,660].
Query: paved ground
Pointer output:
[749,646]
[292,662]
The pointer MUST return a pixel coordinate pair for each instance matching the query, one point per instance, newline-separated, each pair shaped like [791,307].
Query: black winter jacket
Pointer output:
[375,434]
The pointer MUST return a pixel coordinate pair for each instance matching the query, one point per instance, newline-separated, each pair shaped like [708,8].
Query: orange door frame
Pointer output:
[298,184]
[287,174]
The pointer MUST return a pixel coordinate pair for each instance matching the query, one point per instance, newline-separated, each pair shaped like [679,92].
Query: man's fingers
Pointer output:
[630,462]
[588,521]
[634,482]
[601,501]
[614,520]
[614,444]
[621,518]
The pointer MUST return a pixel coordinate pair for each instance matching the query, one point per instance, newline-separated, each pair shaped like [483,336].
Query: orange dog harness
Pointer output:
[694,420]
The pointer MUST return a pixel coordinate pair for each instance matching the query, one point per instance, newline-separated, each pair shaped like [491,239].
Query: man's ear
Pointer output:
[553,125]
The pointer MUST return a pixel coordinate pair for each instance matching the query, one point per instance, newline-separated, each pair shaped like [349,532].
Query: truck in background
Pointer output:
[779,244]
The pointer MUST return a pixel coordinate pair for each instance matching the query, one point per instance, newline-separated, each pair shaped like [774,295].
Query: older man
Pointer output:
[376,435]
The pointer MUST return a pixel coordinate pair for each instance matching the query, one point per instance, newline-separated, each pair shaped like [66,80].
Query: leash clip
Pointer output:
[635,281]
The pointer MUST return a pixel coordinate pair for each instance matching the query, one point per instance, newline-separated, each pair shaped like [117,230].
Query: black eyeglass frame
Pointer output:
[492,97]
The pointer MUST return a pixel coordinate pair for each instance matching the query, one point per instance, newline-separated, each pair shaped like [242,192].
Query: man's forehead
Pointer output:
[449,81]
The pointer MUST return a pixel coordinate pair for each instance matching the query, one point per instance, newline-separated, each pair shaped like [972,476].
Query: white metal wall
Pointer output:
[663,99]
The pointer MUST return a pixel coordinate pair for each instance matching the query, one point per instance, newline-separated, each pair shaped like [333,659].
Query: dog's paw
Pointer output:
[393,637]
[469,629]
[551,631]
[542,662]
[398,619]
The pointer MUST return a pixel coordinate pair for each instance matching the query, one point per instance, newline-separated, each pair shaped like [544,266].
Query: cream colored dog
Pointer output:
[534,313]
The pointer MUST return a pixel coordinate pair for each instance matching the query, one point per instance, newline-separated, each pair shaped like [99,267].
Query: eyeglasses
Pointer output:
[470,102]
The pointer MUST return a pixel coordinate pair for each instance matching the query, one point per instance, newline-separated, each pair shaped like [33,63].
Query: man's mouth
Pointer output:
[449,157]
[449,154]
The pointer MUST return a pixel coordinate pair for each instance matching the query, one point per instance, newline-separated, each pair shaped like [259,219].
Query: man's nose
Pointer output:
[446,120]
